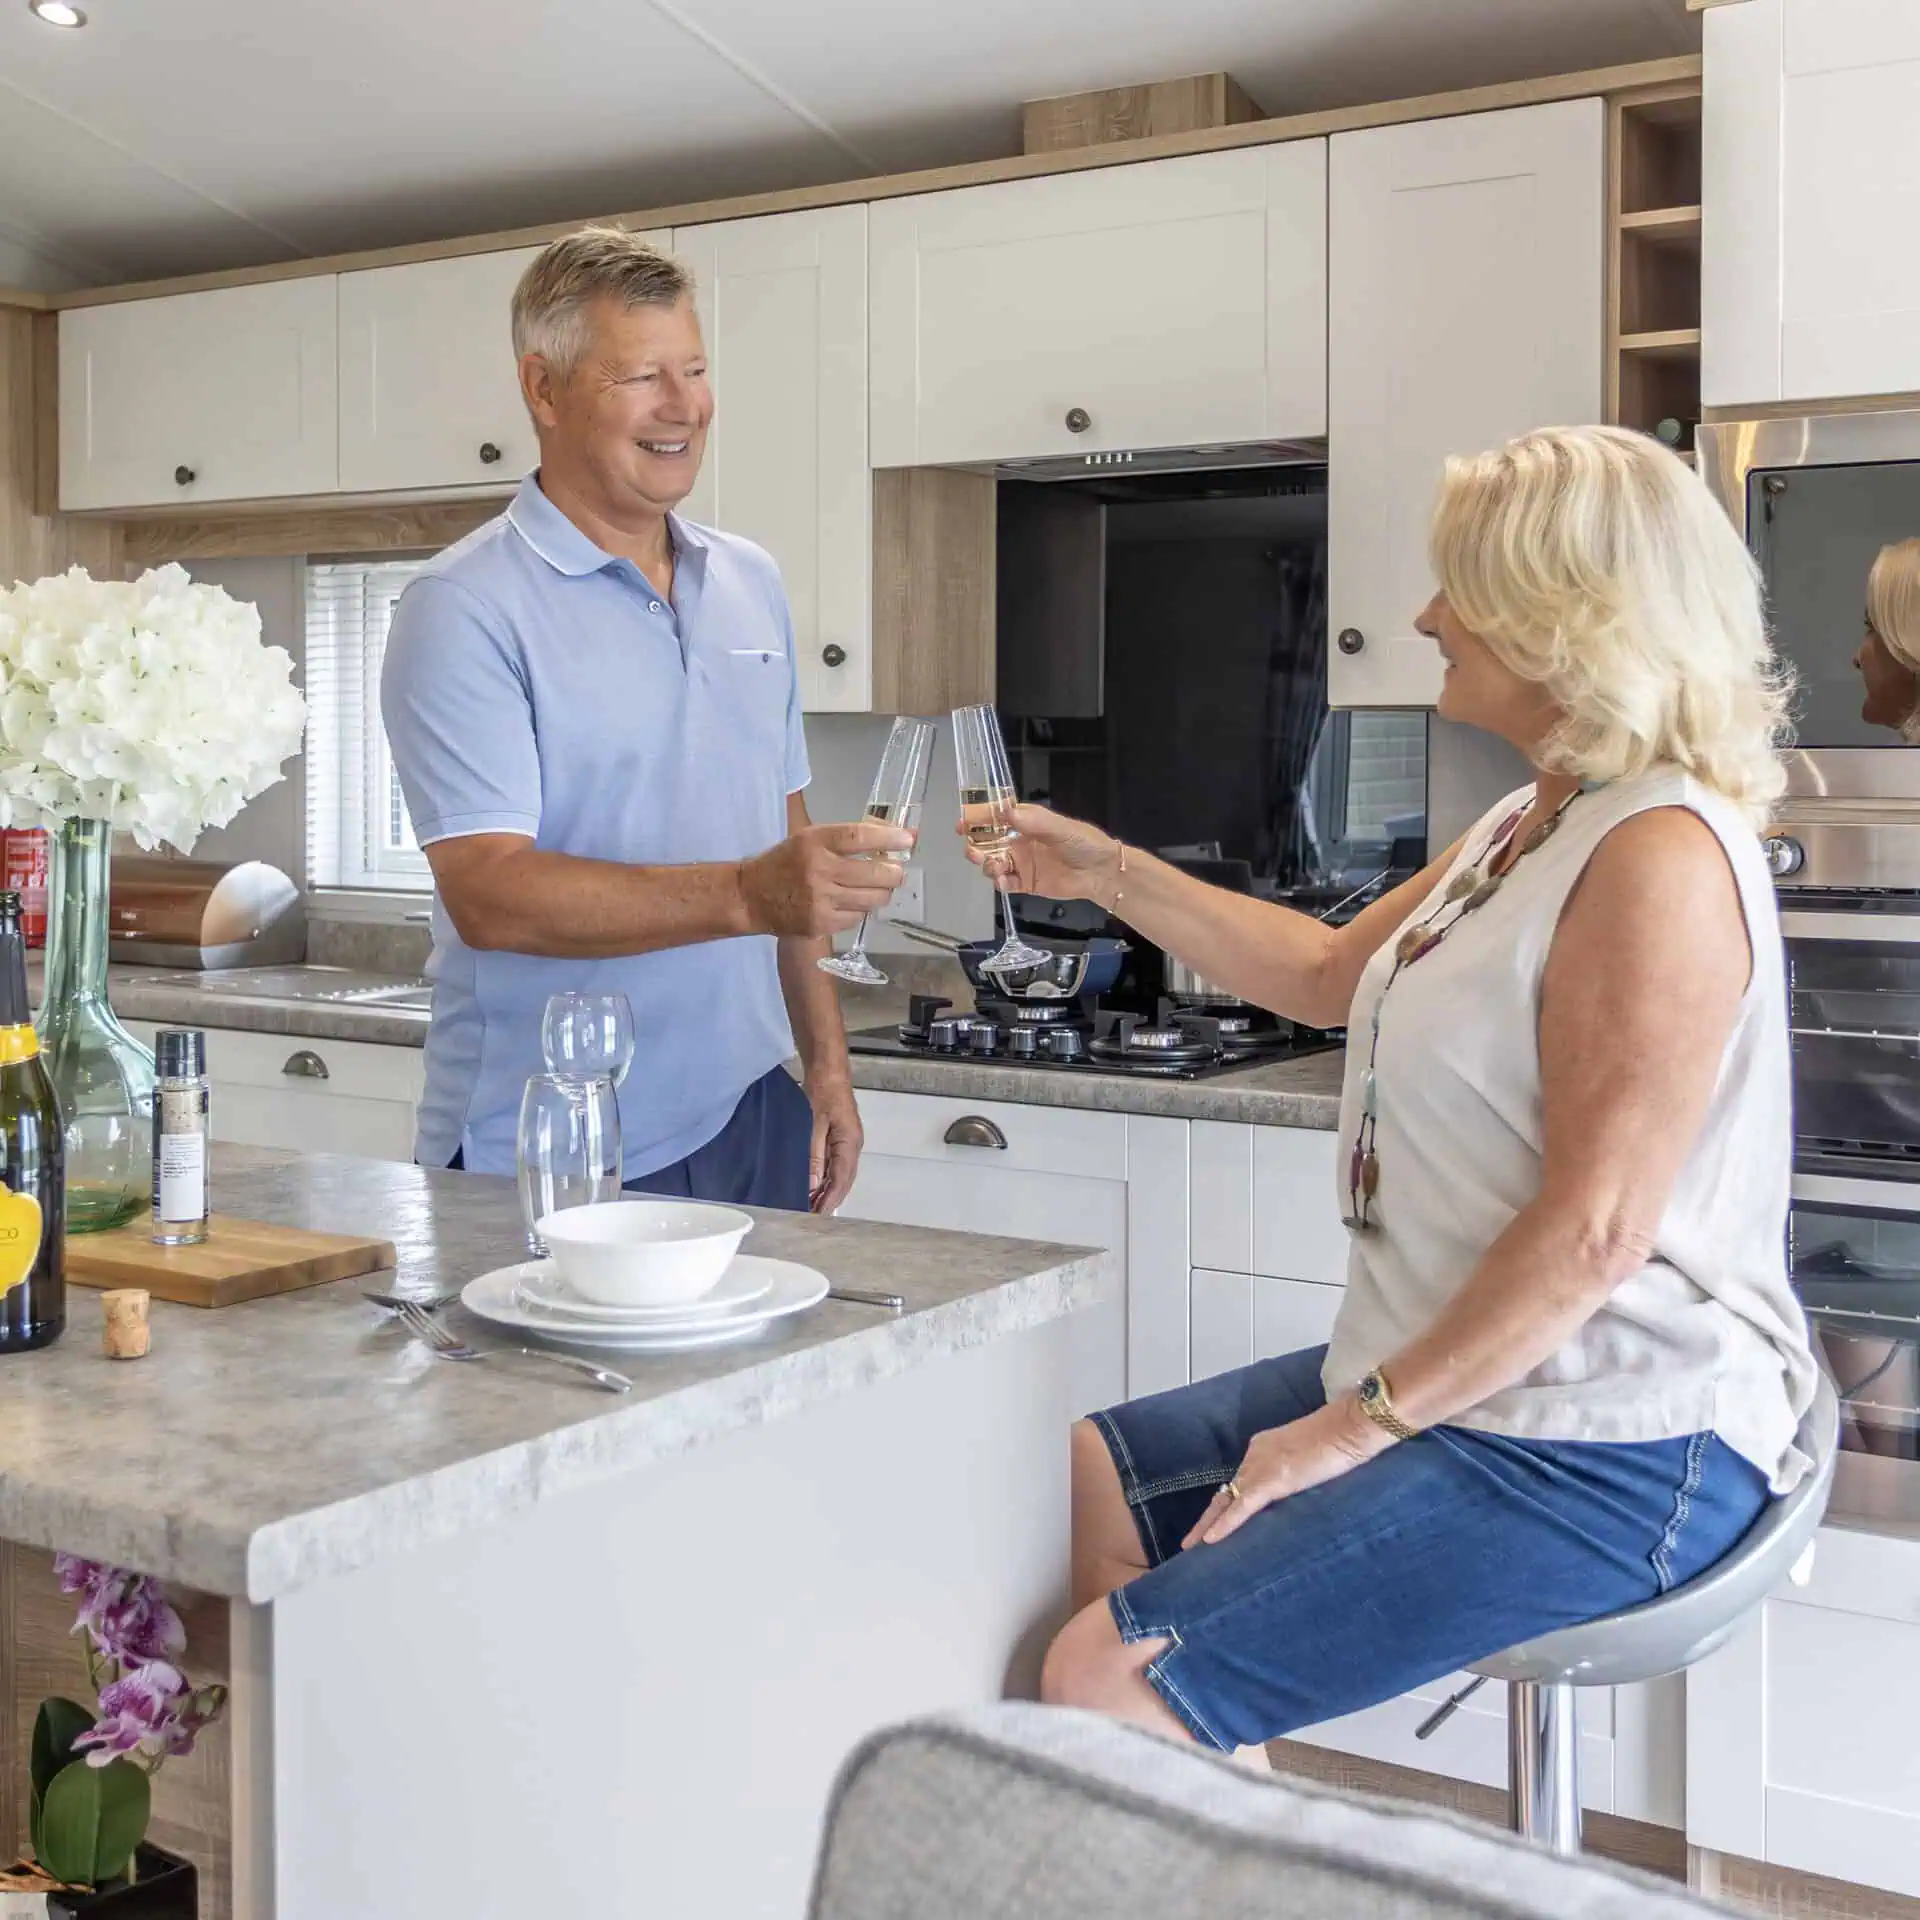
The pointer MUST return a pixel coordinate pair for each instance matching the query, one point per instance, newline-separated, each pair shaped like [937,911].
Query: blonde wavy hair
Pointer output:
[1893,601]
[1596,564]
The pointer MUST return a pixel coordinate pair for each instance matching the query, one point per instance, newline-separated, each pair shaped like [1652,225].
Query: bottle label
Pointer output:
[180,1156]
[21,1225]
[18,1043]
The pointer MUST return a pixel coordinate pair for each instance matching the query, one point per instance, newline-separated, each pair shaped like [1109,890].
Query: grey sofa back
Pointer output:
[1019,1812]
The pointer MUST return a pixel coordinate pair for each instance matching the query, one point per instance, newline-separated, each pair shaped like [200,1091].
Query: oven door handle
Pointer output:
[1890,929]
[1834,1190]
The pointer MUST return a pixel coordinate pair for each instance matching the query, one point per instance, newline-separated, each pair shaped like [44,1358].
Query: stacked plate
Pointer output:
[535,1298]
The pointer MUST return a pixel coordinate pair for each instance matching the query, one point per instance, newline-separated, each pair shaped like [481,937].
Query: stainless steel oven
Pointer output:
[1816,499]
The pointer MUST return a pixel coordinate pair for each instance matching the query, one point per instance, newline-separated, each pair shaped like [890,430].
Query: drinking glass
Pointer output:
[568,1148]
[588,1035]
[986,801]
[899,787]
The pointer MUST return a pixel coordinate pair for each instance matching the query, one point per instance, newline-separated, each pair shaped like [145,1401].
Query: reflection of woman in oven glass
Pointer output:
[1889,656]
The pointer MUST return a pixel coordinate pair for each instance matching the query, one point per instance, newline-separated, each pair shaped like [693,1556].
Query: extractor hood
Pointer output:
[1243,453]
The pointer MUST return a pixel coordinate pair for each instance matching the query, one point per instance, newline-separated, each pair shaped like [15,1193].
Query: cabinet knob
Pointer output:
[974,1130]
[489,453]
[306,1065]
[1078,419]
[834,655]
[184,476]
[1350,640]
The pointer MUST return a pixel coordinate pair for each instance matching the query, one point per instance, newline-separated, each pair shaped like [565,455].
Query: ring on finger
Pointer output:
[1233,1489]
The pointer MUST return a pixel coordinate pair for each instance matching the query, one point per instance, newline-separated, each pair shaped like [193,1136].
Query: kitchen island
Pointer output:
[501,1644]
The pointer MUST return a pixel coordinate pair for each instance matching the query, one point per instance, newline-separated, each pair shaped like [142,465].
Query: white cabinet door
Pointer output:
[1062,1175]
[1297,1230]
[1239,1318]
[1807,176]
[1464,274]
[314,1096]
[784,304]
[228,395]
[1173,303]
[429,390]
[1799,1745]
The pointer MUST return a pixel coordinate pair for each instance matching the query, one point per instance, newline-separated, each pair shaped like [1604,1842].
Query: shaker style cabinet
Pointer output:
[1167,303]
[226,395]
[1809,288]
[783,302]
[429,387]
[429,395]
[312,1096]
[1465,306]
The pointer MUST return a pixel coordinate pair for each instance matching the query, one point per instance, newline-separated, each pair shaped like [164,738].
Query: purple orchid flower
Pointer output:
[136,1711]
[128,1617]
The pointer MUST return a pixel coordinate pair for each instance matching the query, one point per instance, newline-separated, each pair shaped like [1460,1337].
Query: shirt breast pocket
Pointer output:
[756,681]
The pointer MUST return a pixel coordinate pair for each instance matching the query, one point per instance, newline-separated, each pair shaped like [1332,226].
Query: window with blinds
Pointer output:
[358,834]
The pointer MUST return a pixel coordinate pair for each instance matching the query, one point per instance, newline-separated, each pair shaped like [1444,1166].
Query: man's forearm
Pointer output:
[813,1006]
[563,907]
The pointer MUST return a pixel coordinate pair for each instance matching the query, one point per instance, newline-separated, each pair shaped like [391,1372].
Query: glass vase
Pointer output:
[102,1076]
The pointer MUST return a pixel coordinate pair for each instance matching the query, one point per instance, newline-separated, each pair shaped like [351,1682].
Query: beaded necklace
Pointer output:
[1467,892]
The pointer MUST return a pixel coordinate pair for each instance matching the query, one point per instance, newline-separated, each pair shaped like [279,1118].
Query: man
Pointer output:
[594,716]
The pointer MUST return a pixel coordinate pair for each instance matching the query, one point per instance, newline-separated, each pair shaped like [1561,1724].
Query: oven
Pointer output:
[1816,498]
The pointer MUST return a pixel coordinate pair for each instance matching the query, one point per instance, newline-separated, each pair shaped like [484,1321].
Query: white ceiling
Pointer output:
[172,136]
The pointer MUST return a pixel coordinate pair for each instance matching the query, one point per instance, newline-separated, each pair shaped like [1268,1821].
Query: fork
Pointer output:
[448,1346]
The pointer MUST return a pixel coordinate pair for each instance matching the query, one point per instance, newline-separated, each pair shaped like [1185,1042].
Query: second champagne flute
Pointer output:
[986,807]
[568,1148]
[899,787]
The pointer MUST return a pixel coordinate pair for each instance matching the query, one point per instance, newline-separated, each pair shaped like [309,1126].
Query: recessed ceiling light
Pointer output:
[57,13]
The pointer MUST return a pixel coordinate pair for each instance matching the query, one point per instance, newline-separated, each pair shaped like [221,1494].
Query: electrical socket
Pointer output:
[909,900]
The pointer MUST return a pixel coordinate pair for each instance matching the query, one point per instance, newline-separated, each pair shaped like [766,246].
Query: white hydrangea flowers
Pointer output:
[149,703]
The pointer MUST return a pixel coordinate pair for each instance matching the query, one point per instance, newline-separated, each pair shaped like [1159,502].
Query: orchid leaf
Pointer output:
[59,1725]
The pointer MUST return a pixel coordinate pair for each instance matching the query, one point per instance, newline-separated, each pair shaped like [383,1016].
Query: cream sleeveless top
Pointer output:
[1707,1336]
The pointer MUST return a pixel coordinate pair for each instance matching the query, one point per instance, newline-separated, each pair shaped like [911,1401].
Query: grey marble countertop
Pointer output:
[1288,1093]
[1295,1093]
[261,1448]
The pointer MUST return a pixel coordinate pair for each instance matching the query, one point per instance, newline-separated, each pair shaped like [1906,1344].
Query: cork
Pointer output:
[128,1334]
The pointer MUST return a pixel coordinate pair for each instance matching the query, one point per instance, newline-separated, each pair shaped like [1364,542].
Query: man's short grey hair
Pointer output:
[550,304]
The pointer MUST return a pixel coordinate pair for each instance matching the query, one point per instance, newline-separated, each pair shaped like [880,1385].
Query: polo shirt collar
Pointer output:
[566,549]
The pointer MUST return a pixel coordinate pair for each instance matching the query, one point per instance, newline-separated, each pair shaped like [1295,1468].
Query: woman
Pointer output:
[1568,1371]
[1889,655]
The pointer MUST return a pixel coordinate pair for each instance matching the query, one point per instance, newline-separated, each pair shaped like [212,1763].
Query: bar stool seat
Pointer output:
[1660,1636]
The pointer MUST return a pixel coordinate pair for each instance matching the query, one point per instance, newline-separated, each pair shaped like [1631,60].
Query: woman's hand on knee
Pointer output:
[1288,1460]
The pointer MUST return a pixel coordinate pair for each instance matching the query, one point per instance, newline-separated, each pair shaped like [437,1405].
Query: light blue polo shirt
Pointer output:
[535,684]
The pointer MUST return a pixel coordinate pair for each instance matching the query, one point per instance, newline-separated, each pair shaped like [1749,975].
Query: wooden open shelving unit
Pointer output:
[1653,258]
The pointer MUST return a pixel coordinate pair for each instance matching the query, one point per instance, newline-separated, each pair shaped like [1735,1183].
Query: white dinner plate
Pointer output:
[540,1284]
[790,1289]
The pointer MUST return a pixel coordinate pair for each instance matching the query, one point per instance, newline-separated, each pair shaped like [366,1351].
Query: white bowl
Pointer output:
[644,1253]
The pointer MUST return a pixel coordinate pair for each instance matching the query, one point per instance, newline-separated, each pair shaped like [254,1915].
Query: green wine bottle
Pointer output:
[33,1159]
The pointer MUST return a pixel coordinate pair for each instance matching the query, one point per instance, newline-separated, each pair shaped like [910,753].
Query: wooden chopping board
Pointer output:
[239,1260]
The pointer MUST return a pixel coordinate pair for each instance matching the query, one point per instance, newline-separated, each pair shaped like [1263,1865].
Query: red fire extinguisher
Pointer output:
[23,868]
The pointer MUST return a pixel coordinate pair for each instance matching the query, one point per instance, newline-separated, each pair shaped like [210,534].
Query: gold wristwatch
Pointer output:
[1376,1402]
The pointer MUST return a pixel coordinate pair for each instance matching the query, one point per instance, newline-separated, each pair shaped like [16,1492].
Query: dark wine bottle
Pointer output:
[33,1221]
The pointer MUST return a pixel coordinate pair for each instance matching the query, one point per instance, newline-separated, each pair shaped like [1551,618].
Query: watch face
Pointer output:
[1370,1390]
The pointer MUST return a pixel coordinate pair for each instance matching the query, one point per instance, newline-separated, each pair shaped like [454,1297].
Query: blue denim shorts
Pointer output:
[1439,1552]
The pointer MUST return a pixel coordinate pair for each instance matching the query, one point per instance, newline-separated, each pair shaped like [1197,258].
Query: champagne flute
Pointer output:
[899,787]
[986,802]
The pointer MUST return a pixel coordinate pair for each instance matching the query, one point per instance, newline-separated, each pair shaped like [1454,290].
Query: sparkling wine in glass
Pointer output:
[986,808]
[899,787]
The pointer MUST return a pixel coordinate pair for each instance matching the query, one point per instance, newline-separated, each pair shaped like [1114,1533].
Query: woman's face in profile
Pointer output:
[1892,689]
[1477,688]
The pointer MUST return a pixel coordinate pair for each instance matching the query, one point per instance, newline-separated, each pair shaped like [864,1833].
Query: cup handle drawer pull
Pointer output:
[306,1065]
[975,1130]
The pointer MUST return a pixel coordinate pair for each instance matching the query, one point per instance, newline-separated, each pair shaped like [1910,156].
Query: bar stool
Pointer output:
[1658,1637]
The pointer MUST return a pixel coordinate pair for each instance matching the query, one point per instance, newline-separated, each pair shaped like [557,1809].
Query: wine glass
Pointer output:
[899,786]
[986,801]
[567,1149]
[588,1035]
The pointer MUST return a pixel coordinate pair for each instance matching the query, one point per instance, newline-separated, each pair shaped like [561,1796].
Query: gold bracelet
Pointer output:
[1118,890]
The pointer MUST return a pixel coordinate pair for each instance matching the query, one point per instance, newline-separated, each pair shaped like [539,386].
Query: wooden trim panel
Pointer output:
[324,527]
[1135,113]
[1303,126]
[933,589]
